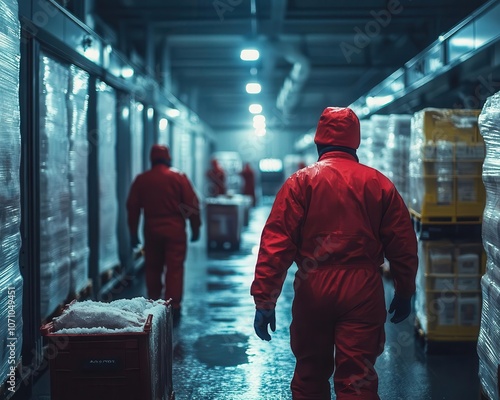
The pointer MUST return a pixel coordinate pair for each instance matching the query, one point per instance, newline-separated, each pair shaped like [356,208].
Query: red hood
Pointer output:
[159,152]
[338,127]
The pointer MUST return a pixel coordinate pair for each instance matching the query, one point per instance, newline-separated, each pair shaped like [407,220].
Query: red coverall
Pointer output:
[248,182]
[167,199]
[217,178]
[336,219]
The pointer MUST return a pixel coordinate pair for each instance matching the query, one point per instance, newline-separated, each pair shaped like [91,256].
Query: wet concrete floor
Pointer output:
[217,355]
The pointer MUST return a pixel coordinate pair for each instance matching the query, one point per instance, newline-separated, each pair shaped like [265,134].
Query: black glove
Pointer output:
[401,308]
[263,318]
[134,241]
[195,234]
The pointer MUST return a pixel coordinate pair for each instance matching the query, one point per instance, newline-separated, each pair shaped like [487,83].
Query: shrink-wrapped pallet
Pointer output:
[107,172]
[379,136]
[54,188]
[489,337]
[77,178]
[11,282]
[365,151]
[398,149]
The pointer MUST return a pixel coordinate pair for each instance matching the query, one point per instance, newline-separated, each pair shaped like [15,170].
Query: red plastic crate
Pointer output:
[107,366]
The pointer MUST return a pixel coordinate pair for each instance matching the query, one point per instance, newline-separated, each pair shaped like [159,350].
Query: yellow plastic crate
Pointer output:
[454,125]
[451,272]
[471,198]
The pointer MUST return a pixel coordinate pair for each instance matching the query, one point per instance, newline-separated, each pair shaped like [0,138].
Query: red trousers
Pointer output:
[337,328]
[164,259]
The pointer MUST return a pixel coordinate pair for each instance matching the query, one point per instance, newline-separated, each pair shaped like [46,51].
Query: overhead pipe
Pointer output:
[289,94]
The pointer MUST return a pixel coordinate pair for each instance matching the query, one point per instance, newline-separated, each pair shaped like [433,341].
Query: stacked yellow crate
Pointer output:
[448,301]
[446,159]
[446,156]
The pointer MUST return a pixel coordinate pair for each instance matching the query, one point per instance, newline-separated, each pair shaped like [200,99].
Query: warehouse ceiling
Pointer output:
[313,53]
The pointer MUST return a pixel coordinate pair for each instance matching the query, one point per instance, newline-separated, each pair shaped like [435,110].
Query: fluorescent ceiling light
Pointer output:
[255,108]
[253,88]
[151,112]
[173,112]
[462,42]
[94,55]
[125,112]
[127,72]
[260,132]
[396,86]
[259,124]
[378,101]
[249,54]
[259,121]
[163,124]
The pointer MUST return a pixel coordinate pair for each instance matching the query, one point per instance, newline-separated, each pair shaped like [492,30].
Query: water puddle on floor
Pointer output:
[222,350]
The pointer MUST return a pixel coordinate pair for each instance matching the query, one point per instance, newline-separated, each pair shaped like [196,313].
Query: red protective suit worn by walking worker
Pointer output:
[217,179]
[167,199]
[248,182]
[336,219]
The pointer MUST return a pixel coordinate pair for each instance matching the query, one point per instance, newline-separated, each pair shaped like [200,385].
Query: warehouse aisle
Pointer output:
[217,356]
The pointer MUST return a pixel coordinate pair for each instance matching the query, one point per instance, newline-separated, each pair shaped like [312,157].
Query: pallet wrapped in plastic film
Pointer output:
[11,280]
[117,350]
[489,335]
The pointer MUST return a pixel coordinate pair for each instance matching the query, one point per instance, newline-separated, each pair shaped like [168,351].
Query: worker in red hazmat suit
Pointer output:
[248,182]
[217,179]
[167,199]
[336,219]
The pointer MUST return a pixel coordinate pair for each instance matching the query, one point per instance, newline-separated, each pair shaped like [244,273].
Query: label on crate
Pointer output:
[108,364]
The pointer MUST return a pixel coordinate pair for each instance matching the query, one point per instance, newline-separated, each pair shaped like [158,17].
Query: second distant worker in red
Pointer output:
[249,182]
[217,179]
[167,199]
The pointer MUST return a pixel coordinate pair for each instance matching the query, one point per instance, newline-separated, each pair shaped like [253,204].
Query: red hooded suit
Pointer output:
[336,219]
[217,179]
[167,199]
[248,182]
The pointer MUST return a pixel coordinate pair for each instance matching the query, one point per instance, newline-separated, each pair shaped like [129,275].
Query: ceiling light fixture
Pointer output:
[163,124]
[173,112]
[249,54]
[253,88]
[260,132]
[151,113]
[127,72]
[255,108]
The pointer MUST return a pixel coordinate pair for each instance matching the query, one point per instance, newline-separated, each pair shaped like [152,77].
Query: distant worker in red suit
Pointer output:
[166,198]
[217,179]
[301,165]
[248,182]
